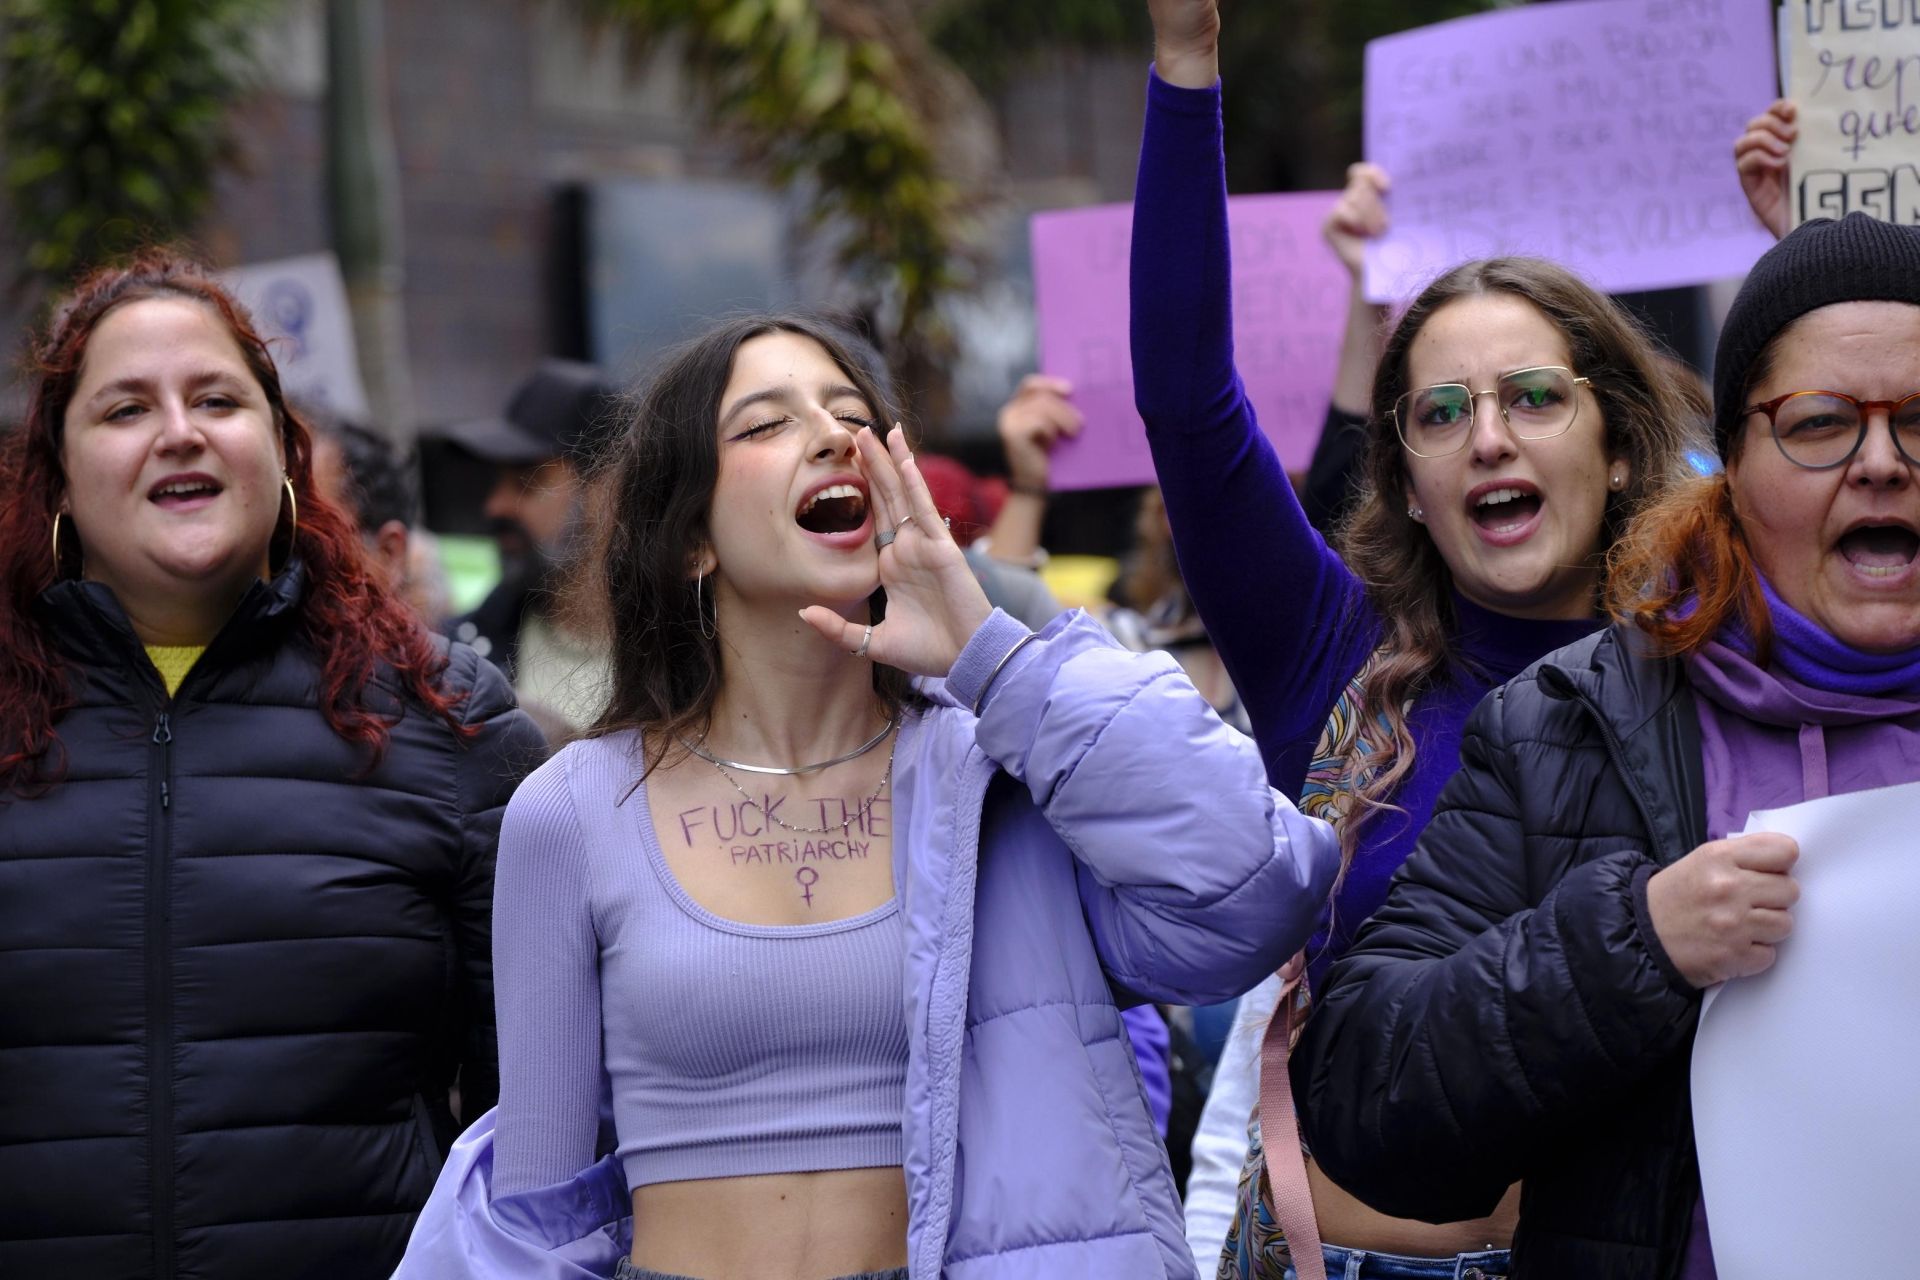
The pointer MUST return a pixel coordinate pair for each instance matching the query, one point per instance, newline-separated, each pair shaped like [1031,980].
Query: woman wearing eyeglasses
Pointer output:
[1524,1004]
[1517,419]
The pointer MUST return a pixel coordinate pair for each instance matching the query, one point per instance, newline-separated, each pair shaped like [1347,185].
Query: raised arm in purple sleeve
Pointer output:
[1289,620]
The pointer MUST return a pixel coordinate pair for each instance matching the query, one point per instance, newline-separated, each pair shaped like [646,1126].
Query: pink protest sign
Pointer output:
[1289,312]
[1597,133]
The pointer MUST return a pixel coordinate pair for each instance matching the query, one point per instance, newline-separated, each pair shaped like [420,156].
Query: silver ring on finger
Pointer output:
[865,641]
[904,522]
[884,539]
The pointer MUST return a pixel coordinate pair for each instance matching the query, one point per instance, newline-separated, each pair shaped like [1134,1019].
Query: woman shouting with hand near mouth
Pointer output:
[847,946]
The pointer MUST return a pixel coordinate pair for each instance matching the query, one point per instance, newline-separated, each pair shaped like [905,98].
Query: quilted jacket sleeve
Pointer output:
[1471,1017]
[1197,878]
[504,749]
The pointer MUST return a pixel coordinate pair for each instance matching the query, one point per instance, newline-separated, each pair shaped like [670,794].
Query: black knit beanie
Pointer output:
[1857,259]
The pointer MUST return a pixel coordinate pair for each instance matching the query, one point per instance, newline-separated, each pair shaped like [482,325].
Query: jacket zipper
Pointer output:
[159,1016]
[1682,1193]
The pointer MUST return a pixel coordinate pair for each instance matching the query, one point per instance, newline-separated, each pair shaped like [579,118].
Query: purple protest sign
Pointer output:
[1289,311]
[1597,133]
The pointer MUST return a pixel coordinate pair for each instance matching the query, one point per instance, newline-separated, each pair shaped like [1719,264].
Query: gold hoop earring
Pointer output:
[293,519]
[56,545]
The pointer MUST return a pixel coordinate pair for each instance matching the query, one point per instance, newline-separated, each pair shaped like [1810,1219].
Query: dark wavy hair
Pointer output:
[347,618]
[1649,421]
[381,480]
[660,474]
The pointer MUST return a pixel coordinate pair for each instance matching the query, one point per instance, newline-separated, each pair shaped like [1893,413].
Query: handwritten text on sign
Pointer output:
[1597,133]
[1289,310]
[1855,75]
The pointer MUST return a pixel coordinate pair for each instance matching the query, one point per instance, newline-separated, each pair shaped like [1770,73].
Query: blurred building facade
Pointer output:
[509,114]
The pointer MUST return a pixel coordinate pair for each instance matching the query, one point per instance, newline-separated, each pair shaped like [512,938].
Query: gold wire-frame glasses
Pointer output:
[1536,403]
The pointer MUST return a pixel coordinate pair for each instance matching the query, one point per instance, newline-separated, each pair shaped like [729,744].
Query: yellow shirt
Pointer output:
[173,661]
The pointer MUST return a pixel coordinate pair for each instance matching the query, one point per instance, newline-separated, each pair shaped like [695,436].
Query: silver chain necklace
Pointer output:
[778,772]
[766,810]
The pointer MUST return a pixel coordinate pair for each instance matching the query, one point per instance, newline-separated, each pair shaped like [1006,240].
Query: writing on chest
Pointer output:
[784,816]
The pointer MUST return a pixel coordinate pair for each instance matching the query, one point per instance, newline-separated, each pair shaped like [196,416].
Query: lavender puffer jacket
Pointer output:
[1095,831]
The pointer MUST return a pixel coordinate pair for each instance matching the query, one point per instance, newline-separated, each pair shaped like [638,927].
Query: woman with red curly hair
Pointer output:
[248,809]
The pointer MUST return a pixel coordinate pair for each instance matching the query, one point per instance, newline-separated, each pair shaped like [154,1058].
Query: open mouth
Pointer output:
[838,508]
[1880,550]
[1505,509]
[181,491]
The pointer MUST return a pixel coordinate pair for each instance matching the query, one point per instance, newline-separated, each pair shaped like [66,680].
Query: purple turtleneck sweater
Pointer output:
[1288,618]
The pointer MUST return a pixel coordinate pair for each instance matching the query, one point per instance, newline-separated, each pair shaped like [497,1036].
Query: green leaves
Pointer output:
[989,38]
[113,114]
[1291,69]
[818,94]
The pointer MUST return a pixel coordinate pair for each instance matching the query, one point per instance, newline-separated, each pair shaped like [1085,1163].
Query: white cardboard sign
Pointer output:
[1804,1105]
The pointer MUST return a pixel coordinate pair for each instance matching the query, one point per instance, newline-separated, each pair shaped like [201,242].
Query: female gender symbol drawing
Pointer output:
[807,877]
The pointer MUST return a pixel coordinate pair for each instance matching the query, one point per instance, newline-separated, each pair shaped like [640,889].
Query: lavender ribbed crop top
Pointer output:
[730,1048]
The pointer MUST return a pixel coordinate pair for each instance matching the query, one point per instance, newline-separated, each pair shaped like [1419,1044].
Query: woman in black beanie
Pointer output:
[1523,1007]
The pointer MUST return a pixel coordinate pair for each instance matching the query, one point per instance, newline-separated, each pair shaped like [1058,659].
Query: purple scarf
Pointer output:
[1809,654]
[1822,718]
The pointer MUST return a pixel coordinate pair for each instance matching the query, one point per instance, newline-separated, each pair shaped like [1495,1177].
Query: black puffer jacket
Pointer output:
[238,973]
[1509,1013]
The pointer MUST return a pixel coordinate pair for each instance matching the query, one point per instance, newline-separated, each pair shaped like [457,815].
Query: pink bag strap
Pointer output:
[1280,1130]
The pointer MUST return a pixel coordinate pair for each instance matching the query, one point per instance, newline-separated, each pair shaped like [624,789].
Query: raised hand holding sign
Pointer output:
[1760,157]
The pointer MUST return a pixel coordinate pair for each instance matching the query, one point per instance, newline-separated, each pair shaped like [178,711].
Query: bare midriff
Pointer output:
[782,1226]
[1346,1222]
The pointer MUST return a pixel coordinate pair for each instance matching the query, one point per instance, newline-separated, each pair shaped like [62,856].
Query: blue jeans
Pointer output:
[1356,1264]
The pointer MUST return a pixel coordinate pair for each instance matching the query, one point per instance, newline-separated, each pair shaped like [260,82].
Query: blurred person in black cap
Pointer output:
[540,450]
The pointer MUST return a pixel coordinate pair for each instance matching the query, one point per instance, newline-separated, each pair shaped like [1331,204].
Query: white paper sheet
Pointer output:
[1804,1101]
